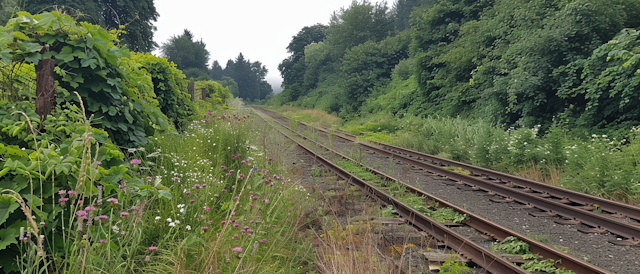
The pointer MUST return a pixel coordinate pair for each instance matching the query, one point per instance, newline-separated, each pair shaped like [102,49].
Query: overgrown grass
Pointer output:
[207,200]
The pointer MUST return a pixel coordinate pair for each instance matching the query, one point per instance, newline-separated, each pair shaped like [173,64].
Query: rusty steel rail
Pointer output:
[477,222]
[539,196]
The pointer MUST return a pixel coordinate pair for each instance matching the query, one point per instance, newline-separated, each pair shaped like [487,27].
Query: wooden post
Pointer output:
[46,91]
[190,88]
[204,94]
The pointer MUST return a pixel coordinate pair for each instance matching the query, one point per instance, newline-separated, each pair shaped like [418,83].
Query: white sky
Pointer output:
[260,29]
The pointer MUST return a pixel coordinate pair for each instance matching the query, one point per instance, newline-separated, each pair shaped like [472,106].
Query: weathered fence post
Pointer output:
[204,94]
[46,91]
[190,88]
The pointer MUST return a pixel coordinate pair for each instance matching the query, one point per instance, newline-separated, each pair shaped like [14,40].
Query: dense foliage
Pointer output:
[136,16]
[518,63]
[90,63]
[169,85]
[185,52]
[249,77]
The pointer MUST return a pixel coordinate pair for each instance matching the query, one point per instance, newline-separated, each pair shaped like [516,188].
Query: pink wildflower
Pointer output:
[123,214]
[135,162]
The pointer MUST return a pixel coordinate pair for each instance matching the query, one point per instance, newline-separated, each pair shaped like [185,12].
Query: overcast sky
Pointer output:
[260,29]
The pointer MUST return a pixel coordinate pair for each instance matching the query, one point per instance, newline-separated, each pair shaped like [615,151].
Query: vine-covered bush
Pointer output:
[216,93]
[88,61]
[169,86]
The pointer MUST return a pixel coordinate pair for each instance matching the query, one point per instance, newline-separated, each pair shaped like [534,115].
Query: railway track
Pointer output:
[442,232]
[574,207]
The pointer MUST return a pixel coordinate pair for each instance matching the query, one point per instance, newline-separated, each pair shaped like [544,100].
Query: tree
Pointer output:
[185,52]
[137,17]
[249,77]
[359,23]
[216,71]
[293,68]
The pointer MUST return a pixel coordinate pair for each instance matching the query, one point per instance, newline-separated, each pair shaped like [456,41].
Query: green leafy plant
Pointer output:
[546,266]
[453,266]
[512,245]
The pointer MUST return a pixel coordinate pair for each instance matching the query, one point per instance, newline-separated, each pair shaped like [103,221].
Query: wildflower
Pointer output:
[233,214]
[207,208]
[236,198]
[80,202]
[112,200]
[81,213]
[188,227]
[176,178]
[169,220]
[72,192]
[197,186]
[224,190]
[120,186]
[62,192]
[123,214]
[135,162]
[102,217]
[228,174]
[237,249]
[267,181]
[249,230]
[265,200]
[89,208]
[61,200]
[234,236]
[152,248]
[235,225]
[243,231]
[264,240]
[241,176]
[204,228]
[147,258]
[251,205]
[204,185]
[223,167]
[41,223]
[253,221]
[172,224]
[223,222]
[103,241]
[191,201]
[188,193]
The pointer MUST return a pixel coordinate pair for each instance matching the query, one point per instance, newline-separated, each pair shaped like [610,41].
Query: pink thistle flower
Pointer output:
[223,167]
[243,161]
[124,214]
[120,186]
[207,208]
[241,176]
[102,217]
[233,156]
[251,205]
[176,178]
[223,222]
[135,162]
[204,185]
[264,240]
[152,248]
[89,208]
[237,249]
[229,174]
[249,230]
[270,158]
[237,198]
[42,223]
[265,200]
[197,186]
[238,155]
[188,193]
[112,200]
[234,236]
[267,181]
[81,213]
[253,221]
[103,241]
[236,225]
[224,190]
[204,228]
[72,192]
[191,201]
[61,200]
[62,192]
[233,214]
[243,231]
[274,226]
[249,234]
[80,202]
[97,163]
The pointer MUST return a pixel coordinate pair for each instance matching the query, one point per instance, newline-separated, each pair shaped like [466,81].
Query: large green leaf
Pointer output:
[8,205]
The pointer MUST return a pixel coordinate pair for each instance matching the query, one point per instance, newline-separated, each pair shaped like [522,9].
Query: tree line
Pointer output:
[516,62]
[244,78]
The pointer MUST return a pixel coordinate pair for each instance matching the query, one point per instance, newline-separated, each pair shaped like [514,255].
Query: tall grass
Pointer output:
[206,200]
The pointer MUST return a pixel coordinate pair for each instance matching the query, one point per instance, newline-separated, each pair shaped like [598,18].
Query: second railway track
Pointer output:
[477,253]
